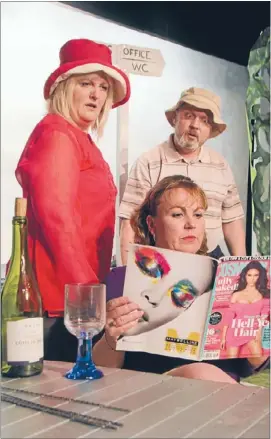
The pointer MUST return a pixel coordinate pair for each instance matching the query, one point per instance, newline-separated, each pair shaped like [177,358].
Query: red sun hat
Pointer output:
[84,56]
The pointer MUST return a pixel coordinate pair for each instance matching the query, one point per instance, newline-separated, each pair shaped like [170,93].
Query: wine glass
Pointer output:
[84,317]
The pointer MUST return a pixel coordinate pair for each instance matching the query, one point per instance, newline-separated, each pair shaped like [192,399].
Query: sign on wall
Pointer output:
[140,60]
[137,60]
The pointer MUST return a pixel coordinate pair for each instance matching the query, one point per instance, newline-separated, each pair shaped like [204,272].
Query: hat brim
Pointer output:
[121,82]
[218,125]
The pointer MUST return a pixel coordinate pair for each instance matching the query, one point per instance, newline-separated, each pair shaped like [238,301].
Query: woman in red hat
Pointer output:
[69,187]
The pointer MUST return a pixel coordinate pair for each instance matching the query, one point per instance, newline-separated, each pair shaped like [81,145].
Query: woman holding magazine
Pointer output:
[171,217]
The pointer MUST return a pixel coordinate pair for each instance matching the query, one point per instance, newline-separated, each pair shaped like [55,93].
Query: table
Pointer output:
[160,406]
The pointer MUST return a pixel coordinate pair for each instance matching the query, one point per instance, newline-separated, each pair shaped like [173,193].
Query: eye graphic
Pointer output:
[151,263]
[183,294]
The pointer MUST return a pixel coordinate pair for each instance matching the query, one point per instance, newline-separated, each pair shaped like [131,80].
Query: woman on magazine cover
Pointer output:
[68,185]
[172,217]
[251,300]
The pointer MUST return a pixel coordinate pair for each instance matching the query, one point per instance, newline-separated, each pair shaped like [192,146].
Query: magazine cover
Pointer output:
[174,291]
[239,320]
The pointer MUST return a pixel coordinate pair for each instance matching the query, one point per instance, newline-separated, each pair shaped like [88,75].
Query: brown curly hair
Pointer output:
[151,202]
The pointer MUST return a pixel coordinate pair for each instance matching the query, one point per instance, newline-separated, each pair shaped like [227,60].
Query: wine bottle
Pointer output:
[22,321]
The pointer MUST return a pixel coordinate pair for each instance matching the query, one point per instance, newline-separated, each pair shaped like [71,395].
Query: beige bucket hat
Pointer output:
[205,100]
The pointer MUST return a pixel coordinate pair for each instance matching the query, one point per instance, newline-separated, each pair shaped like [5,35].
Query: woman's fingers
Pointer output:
[116,332]
[114,303]
[118,326]
[121,315]
[117,309]
[128,326]
[127,318]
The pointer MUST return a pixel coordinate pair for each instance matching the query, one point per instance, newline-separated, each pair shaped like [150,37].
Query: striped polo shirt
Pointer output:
[209,170]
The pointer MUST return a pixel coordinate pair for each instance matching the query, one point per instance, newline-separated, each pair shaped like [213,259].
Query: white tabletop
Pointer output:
[160,406]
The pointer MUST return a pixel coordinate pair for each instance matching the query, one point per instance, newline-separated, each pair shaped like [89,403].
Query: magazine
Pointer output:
[196,307]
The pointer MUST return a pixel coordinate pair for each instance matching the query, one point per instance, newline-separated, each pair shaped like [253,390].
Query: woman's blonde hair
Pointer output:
[152,201]
[60,102]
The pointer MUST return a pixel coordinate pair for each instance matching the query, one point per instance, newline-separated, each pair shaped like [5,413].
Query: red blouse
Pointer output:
[71,208]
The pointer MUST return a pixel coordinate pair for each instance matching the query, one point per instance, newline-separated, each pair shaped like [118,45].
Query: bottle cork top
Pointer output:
[20,206]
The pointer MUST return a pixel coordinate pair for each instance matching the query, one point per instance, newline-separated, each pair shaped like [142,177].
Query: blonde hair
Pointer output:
[60,102]
[152,201]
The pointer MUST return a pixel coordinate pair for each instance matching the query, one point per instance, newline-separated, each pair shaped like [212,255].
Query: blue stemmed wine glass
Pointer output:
[84,317]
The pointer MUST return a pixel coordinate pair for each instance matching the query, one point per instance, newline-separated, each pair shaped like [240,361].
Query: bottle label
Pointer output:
[25,340]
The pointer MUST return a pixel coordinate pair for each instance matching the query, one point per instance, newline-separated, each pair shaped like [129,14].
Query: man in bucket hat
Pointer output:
[195,118]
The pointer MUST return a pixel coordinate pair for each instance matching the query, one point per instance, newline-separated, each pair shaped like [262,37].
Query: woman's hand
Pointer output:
[121,315]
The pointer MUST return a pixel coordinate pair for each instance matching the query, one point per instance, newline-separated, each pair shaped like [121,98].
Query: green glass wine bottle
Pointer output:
[21,307]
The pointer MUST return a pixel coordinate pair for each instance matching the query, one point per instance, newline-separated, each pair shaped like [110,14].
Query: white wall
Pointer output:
[32,34]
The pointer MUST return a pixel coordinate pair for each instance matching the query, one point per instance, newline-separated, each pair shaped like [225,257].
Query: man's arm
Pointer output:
[126,237]
[234,234]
